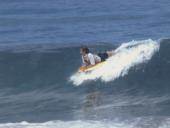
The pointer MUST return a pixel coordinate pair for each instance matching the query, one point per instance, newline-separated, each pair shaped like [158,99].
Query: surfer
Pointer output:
[89,59]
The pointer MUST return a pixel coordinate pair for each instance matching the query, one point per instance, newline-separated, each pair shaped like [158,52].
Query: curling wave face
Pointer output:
[35,82]
[126,56]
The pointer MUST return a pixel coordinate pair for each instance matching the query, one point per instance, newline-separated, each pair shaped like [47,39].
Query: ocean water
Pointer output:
[40,86]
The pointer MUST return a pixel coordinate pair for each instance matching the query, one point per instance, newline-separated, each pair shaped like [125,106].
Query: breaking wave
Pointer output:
[132,123]
[125,57]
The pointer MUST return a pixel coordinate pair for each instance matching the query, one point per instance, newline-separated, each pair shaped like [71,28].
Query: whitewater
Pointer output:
[133,123]
[126,56]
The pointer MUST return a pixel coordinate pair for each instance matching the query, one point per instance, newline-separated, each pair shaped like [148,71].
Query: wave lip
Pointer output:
[126,56]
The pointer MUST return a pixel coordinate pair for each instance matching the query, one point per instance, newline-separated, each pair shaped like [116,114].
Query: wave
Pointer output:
[36,82]
[126,56]
[131,123]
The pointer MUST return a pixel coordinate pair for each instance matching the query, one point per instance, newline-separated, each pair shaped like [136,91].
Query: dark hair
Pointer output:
[85,49]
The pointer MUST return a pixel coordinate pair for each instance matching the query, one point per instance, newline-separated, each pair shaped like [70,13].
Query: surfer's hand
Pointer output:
[82,68]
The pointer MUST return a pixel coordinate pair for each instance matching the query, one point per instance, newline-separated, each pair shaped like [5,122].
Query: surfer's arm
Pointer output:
[83,62]
[91,59]
[92,63]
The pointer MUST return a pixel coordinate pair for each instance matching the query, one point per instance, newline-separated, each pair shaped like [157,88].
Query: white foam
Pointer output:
[126,56]
[132,123]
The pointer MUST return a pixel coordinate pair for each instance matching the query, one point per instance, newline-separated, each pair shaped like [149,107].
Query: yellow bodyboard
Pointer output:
[81,69]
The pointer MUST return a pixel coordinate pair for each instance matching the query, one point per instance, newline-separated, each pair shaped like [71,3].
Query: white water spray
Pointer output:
[126,56]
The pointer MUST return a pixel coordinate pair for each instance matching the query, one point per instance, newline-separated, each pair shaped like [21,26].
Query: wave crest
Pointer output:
[126,56]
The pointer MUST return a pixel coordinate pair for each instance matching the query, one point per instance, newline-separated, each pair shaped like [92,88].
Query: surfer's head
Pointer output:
[84,50]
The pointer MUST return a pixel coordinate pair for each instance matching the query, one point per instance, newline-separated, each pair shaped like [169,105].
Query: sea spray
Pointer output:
[126,56]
